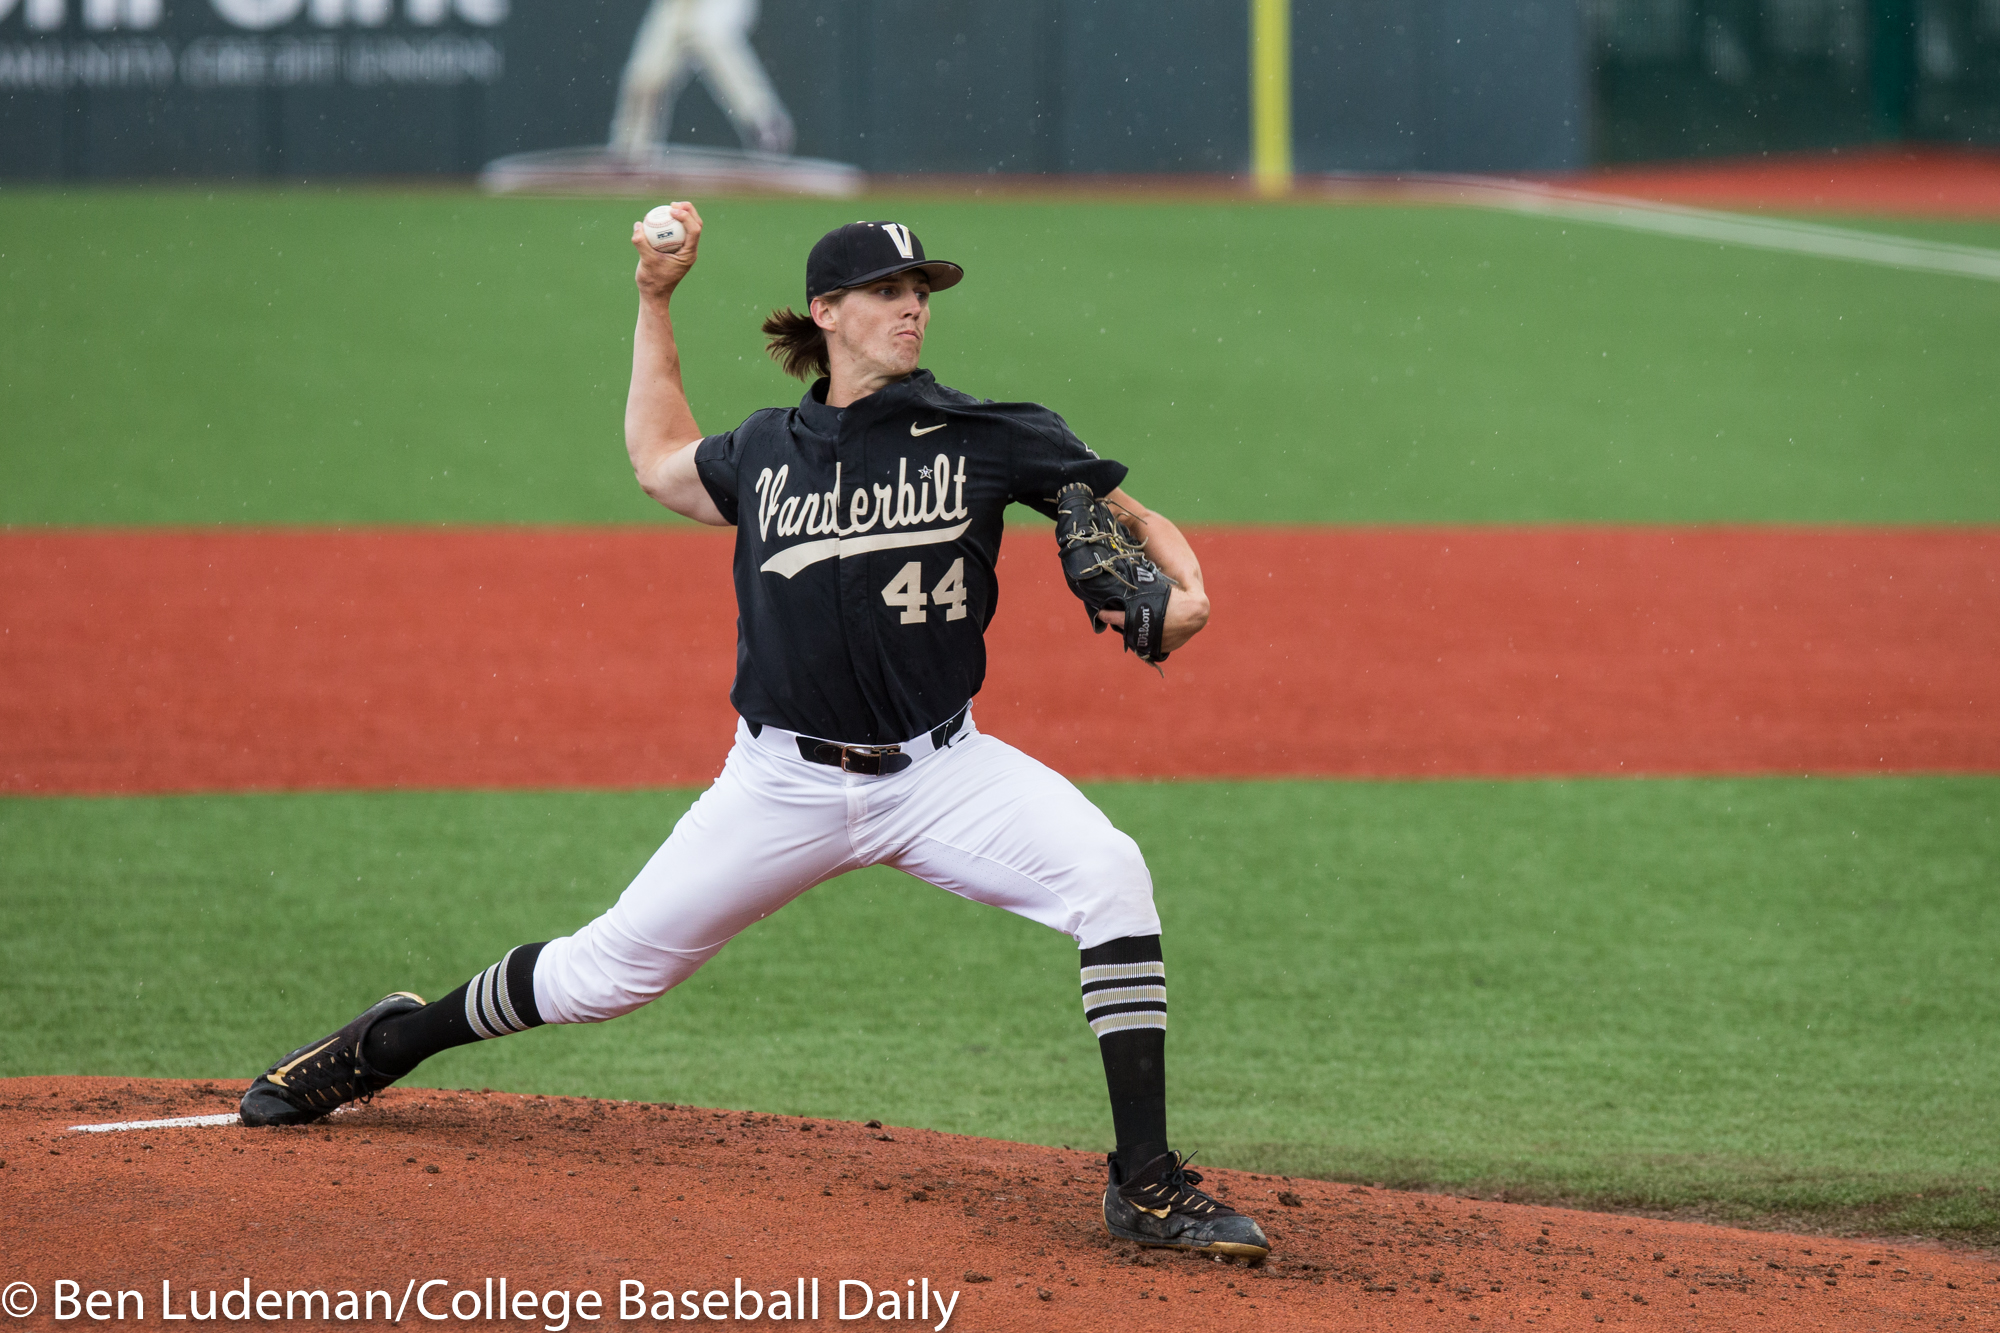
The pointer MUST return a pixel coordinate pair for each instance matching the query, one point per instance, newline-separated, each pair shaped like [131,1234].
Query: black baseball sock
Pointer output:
[1125,1000]
[498,1001]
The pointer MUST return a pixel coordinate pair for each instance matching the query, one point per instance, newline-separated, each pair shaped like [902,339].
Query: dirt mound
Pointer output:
[558,1196]
[602,658]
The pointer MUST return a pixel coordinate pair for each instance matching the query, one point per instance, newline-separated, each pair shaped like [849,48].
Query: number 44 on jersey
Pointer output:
[906,590]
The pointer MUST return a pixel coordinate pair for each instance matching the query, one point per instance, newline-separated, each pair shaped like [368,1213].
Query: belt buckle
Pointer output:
[871,754]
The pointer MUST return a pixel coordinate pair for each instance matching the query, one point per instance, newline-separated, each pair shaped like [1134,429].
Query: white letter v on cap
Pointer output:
[901,236]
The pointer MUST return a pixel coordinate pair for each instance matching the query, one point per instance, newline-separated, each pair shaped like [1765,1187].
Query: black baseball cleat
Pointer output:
[1160,1206]
[329,1073]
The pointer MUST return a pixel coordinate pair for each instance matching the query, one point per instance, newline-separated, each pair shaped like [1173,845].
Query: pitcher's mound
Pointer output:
[556,1196]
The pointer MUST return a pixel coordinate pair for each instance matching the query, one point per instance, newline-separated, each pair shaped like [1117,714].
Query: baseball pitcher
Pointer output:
[868,521]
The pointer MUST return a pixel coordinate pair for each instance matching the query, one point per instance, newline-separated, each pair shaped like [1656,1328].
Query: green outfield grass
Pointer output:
[366,355]
[1757,999]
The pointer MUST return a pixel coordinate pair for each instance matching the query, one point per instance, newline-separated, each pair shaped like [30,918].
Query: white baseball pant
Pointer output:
[979,819]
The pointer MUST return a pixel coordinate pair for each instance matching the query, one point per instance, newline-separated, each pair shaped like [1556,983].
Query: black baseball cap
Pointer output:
[861,252]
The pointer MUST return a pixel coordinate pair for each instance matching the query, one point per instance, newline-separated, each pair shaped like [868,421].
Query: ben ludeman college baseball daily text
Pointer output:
[493,1300]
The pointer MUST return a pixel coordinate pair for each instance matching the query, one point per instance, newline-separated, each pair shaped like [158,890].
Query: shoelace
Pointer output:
[1178,1190]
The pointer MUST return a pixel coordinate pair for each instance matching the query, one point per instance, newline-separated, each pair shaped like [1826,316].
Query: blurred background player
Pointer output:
[678,38]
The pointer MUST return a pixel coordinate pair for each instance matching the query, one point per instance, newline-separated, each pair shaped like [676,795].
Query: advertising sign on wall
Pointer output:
[313,88]
[246,87]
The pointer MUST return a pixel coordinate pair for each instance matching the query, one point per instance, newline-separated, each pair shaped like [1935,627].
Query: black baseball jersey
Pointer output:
[865,544]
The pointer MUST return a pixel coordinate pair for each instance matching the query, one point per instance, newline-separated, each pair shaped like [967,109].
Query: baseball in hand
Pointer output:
[663,229]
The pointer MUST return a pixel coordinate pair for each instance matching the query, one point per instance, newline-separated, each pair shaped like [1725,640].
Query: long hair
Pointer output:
[796,343]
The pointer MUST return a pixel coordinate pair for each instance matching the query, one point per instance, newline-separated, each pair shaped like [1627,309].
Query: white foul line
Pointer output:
[1699,224]
[231,1119]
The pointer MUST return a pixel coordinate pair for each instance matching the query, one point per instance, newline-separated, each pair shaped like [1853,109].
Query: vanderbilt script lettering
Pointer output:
[937,495]
[900,510]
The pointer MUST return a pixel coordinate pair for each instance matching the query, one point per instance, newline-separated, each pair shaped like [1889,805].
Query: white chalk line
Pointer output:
[176,1122]
[1697,224]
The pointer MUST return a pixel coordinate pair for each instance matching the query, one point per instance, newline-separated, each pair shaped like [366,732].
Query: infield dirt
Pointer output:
[572,1194]
[174,661]
[1913,180]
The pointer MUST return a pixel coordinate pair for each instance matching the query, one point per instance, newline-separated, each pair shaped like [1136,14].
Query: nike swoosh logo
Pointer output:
[928,429]
[795,558]
[277,1075]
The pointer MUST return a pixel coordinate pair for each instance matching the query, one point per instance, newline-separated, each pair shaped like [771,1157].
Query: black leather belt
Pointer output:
[875,760]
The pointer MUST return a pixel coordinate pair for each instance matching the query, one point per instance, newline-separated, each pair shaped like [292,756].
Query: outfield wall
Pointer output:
[1439,85]
[1705,78]
[290,88]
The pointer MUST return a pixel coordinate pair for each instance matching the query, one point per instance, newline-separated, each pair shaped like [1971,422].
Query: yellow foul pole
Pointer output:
[1271,95]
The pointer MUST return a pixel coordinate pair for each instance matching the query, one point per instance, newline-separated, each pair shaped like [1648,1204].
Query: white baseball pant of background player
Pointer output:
[674,38]
[979,819]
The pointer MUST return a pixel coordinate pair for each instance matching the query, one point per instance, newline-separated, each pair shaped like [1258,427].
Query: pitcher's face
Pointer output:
[878,329]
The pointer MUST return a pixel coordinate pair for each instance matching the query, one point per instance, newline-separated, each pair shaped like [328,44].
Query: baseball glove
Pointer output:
[1107,568]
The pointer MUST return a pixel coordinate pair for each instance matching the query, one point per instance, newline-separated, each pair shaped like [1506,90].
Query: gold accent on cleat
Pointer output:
[1235,1249]
[277,1075]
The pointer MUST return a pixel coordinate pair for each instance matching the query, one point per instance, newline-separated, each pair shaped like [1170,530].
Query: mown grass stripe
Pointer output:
[1744,997]
[377,356]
